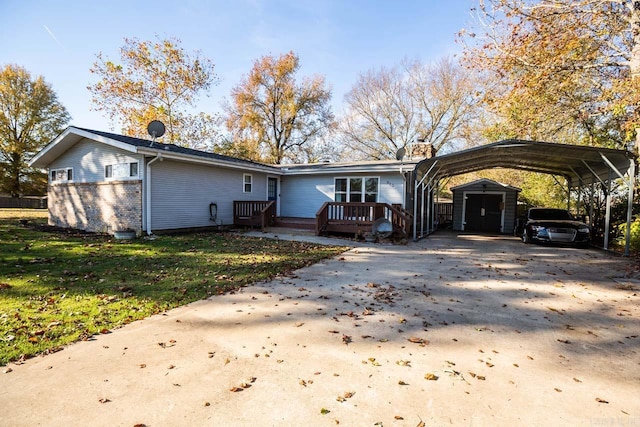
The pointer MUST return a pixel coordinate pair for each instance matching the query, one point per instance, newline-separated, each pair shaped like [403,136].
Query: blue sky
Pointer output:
[335,38]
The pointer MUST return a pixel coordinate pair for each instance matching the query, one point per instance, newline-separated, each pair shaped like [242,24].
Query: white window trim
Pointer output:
[73,175]
[244,183]
[364,188]
[121,178]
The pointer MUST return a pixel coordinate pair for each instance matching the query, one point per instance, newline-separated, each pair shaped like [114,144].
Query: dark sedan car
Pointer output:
[554,226]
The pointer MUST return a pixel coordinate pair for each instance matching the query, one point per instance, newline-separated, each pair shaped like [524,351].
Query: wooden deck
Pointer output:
[259,214]
[299,223]
[358,218]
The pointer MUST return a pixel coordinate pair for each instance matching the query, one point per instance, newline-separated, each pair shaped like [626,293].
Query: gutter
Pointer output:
[147,177]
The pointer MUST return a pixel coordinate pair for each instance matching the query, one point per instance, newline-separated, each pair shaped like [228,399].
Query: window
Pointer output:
[356,189]
[62,175]
[371,190]
[341,190]
[121,170]
[247,180]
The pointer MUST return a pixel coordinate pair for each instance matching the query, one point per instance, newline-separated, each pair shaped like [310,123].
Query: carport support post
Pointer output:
[429,203]
[422,211]
[592,202]
[607,215]
[632,184]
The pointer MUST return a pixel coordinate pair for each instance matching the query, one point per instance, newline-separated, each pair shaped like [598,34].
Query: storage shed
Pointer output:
[485,206]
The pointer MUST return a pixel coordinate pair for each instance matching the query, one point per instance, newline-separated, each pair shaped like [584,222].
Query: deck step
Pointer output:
[299,223]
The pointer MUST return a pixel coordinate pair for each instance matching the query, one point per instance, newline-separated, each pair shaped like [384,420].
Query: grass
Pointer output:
[57,288]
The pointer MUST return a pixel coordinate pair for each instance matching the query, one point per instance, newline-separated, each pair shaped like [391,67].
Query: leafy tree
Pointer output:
[389,109]
[156,81]
[30,116]
[271,116]
[565,70]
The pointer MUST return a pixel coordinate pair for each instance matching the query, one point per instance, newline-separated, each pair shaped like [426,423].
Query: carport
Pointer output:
[581,167]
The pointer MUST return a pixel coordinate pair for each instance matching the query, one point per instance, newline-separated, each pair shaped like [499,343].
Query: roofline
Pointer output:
[477,181]
[333,168]
[82,133]
[230,164]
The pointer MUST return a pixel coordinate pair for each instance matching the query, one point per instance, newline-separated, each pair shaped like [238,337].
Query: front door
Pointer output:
[483,213]
[272,188]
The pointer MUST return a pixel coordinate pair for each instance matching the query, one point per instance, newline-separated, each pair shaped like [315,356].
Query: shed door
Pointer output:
[483,213]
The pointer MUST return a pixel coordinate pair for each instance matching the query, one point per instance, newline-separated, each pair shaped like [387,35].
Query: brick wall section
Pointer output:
[102,207]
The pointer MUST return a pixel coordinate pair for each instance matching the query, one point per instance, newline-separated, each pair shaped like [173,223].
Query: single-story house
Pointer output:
[105,182]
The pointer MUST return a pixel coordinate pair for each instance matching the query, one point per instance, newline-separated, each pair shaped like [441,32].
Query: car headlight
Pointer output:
[583,230]
[537,227]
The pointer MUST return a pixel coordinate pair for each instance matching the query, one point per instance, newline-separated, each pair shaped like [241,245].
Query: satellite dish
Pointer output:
[382,227]
[400,153]
[156,129]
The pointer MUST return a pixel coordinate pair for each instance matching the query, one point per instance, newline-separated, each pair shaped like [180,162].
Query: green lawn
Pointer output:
[57,288]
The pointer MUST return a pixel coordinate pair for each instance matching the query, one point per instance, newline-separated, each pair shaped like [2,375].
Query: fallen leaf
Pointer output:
[299,324]
[601,400]
[431,377]
[104,400]
[324,411]
[236,389]
[402,383]
[398,417]
[558,390]
[346,339]
[417,340]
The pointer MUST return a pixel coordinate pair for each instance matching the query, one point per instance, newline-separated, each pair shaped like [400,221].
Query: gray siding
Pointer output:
[181,193]
[303,195]
[510,203]
[88,159]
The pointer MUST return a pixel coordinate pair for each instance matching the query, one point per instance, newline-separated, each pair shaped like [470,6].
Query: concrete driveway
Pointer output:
[451,330]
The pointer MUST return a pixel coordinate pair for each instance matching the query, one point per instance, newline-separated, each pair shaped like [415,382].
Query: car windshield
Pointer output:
[549,214]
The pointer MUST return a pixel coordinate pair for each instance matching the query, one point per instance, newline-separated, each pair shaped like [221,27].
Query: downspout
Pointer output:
[148,190]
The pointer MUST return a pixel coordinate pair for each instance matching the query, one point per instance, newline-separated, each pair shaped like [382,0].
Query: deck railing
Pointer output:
[260,213]
[347,217]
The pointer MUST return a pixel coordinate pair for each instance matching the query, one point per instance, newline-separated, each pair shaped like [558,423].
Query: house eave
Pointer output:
[166,154]
[347,168]
[66,140]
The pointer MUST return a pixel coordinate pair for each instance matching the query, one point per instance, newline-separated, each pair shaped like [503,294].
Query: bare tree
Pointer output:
[407,105]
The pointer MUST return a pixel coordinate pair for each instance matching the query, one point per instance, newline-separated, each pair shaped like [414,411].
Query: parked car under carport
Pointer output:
[548,225]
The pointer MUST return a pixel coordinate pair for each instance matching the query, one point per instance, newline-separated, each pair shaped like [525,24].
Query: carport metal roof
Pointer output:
[579,165]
